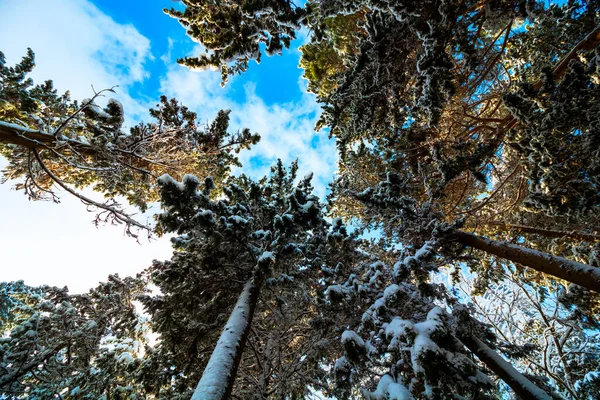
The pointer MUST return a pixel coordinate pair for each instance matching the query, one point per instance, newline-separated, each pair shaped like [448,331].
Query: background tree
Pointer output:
[72,345]
[540,330]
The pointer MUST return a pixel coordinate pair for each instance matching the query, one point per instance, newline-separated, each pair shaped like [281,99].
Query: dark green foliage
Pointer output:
[233,31]
[221,245]
[15,84]
[402,334]
[13,297]
[402,73]
[559,140]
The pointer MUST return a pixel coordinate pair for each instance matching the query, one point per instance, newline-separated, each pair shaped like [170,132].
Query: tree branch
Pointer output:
[118,215]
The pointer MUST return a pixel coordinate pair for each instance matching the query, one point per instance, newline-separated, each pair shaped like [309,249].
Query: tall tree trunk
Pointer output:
[220,372]
[572,271]
[522,386]
[547,232]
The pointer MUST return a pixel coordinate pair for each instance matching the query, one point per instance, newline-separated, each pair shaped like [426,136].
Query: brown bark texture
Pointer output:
[569,270]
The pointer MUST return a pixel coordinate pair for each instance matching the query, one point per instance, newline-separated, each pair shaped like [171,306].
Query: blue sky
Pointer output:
[133,44]
[276,78]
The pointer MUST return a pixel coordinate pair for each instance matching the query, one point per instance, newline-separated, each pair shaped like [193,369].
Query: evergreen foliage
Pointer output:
[78,346]
[233,31]
[468,140]
[558,131]
[268,231]
[50,140]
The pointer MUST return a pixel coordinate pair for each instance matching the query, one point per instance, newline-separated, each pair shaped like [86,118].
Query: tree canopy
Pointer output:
[50,140]
[469,151]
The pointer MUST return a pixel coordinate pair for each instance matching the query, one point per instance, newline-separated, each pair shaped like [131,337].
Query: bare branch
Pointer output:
[118,215]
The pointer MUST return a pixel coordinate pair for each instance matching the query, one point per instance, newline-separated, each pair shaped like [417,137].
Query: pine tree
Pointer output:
[61,344]
[233,31]
[259,236]
[409,338]
[50,140]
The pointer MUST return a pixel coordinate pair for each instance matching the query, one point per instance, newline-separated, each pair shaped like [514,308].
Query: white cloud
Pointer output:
[199,90]
[287,130]
[76,46]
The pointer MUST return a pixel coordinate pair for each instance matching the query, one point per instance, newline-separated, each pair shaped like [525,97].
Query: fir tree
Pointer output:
[261,233]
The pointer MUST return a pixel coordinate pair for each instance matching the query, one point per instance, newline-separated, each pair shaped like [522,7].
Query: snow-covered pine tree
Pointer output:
[376,107]
[218,251]
[557,139]
[462,175]
[242,246]
[405,338]
[234,31]
[51,141]
[54,344]
[423,230]
[408,222]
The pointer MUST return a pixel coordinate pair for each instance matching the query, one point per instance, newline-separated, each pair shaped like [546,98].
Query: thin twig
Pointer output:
[118,215]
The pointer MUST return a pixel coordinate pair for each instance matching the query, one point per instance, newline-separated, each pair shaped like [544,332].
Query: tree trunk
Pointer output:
[522,386]
[220,372]
[548,232]
[572,271]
